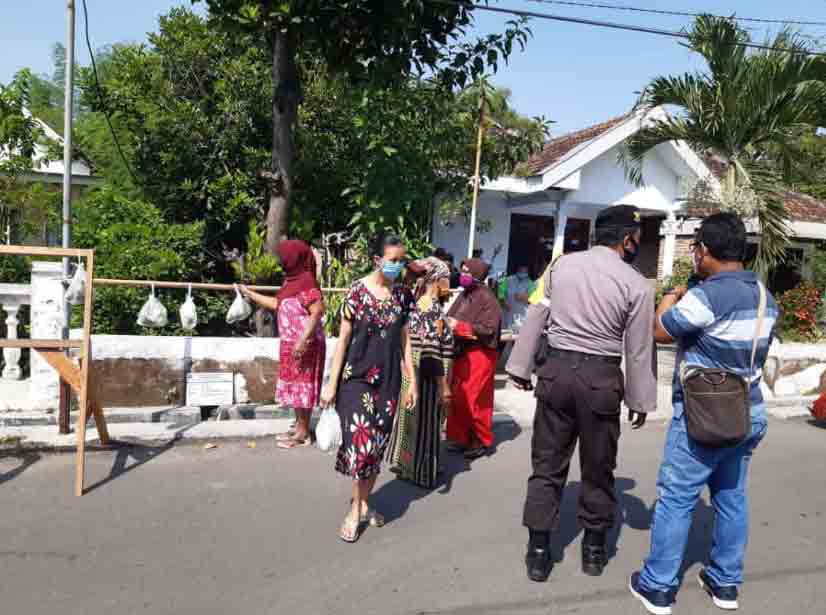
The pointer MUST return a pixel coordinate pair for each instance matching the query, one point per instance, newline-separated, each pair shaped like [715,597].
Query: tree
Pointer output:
[364,39]
[747,110]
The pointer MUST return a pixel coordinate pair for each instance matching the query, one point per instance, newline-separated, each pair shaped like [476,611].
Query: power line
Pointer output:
[634,9]
[99,92]
[615,26]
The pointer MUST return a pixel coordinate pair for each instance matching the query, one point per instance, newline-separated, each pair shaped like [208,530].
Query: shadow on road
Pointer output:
[394,498]
[140,453]
[634,513]
[27,460]
[816,423]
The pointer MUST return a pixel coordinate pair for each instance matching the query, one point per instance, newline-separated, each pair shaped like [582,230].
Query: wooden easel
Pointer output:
[79,378]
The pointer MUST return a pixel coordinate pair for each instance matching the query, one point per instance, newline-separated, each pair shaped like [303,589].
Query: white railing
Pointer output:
[12,298]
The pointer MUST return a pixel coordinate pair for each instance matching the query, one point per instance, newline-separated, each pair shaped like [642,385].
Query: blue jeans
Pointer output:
[687,467]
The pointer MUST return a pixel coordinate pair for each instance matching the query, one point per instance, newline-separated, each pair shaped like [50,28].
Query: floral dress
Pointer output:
[368,394]
[299,380]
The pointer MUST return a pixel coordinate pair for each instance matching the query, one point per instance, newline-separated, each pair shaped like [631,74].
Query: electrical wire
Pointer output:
[99,92]
[615,26]
[634,9]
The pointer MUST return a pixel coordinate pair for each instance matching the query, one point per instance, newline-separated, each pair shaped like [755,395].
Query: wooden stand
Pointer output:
[79,378]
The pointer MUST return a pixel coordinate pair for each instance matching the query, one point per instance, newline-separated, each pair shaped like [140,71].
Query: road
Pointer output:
[252,531]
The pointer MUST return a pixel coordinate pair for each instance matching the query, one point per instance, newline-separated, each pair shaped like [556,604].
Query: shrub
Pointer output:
[683,268]
[799,308]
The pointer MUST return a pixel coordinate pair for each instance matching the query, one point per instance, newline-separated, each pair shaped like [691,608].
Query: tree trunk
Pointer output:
[286,98]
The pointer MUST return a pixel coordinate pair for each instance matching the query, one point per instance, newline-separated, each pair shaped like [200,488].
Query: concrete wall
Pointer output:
[151,371]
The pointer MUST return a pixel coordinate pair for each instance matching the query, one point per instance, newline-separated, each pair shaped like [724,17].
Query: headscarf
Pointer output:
[477,267]
[298,261]
[478,306]
[430,270]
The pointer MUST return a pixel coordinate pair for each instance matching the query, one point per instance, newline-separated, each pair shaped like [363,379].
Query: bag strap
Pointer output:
[761,313]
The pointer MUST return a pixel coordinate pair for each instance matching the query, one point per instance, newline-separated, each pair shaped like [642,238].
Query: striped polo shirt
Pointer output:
[715,323]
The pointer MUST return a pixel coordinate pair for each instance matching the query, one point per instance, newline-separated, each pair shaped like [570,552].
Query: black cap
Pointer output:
[619,216]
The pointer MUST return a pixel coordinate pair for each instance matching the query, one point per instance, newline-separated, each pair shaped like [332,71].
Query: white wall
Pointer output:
[604,182]
[493,208]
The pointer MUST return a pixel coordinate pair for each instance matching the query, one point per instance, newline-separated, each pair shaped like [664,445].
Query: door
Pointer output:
[531,243]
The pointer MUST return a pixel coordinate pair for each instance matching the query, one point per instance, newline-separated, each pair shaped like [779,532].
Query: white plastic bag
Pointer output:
[153,313]
[328,431]
[189,313]
[76,292]
[239,310]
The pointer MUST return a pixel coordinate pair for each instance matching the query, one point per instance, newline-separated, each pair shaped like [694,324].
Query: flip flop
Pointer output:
[373,518]
[288,435]
[291,444]
[350,530]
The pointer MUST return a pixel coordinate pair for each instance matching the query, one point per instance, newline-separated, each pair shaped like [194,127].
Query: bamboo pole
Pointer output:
[476,178]
[193,285]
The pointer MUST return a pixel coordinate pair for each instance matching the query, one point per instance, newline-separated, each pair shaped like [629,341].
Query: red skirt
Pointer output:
[471,412]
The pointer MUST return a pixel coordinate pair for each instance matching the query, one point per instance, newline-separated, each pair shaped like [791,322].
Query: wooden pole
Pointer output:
[476,178]
[193,285]
[85,377]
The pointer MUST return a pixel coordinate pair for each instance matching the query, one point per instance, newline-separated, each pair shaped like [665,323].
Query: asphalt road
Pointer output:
[246,531]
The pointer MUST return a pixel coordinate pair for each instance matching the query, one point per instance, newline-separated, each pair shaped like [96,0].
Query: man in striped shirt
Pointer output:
[714,323]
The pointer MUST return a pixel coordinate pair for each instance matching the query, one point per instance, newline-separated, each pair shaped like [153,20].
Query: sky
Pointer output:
[575,75]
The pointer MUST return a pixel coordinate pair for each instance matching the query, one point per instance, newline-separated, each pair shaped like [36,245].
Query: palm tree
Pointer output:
[746,110]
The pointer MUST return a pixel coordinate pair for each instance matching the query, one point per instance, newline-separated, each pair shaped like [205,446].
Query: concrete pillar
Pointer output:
[669,231]
[559,230]
[11,356]
[47,323]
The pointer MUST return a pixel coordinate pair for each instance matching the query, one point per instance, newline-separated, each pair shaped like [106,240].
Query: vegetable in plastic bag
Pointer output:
[328,431]
[189,314]
[153,313]
[76,292]
[239,310]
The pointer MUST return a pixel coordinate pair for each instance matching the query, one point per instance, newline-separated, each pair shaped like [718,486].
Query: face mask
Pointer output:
[629,256]
[522,275]
[466,280]
[391,271]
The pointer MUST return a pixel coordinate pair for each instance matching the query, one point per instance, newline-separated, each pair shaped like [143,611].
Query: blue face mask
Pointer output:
[391,270]
[522,275]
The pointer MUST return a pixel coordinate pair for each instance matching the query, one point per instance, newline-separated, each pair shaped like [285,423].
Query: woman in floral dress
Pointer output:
[302,348]
[366,376]
[416,444]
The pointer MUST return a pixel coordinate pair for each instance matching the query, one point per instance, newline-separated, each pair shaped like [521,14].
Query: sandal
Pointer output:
[349,531]
[293,443]
[374,518]
[287,435]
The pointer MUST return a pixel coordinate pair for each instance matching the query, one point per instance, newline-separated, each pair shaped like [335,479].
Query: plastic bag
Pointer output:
[189,313]
[153,313]
[328,431]
[76,292]
[239,310]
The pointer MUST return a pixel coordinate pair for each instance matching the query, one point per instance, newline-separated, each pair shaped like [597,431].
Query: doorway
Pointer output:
[531,243]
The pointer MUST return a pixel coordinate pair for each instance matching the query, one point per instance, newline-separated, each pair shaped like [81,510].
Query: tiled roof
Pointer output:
[555,149]
[801,207]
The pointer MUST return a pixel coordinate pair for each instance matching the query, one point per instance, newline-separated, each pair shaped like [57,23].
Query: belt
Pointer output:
[572,355]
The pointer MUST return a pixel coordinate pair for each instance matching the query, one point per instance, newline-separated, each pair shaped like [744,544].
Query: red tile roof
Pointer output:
[555,149]
[801,207]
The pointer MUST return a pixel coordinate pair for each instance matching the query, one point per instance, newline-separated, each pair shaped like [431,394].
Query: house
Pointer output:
[50,174]
[549,205]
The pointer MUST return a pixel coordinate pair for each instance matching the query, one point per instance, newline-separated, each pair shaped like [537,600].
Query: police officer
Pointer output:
[598,307]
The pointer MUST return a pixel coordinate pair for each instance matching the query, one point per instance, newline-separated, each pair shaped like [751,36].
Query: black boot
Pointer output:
[538,559]
[594,553]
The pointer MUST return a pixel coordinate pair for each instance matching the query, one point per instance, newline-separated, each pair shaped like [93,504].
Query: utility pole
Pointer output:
[476,178]
[68,108]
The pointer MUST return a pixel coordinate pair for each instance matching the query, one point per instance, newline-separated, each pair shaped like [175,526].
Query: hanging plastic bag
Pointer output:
[76,293]
[189,314]
[153,313]
[328,431]
[239,310]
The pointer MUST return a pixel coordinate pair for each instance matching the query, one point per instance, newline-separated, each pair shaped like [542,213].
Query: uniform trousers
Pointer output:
[577,399]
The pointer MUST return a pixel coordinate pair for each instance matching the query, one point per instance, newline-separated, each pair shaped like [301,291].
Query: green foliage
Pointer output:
[259,266]
[682,271]
[799,309]
[338,275]
[132,241]
[747,108]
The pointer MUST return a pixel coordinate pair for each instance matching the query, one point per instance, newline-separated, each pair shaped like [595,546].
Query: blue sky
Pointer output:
[573,74]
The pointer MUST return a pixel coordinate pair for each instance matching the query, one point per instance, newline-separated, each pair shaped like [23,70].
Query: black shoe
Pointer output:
[476,453]
[724,597]
[655,602]
[539,563]
[594,553]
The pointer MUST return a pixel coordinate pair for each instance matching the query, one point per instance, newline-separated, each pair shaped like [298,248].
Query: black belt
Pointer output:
[572,355]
